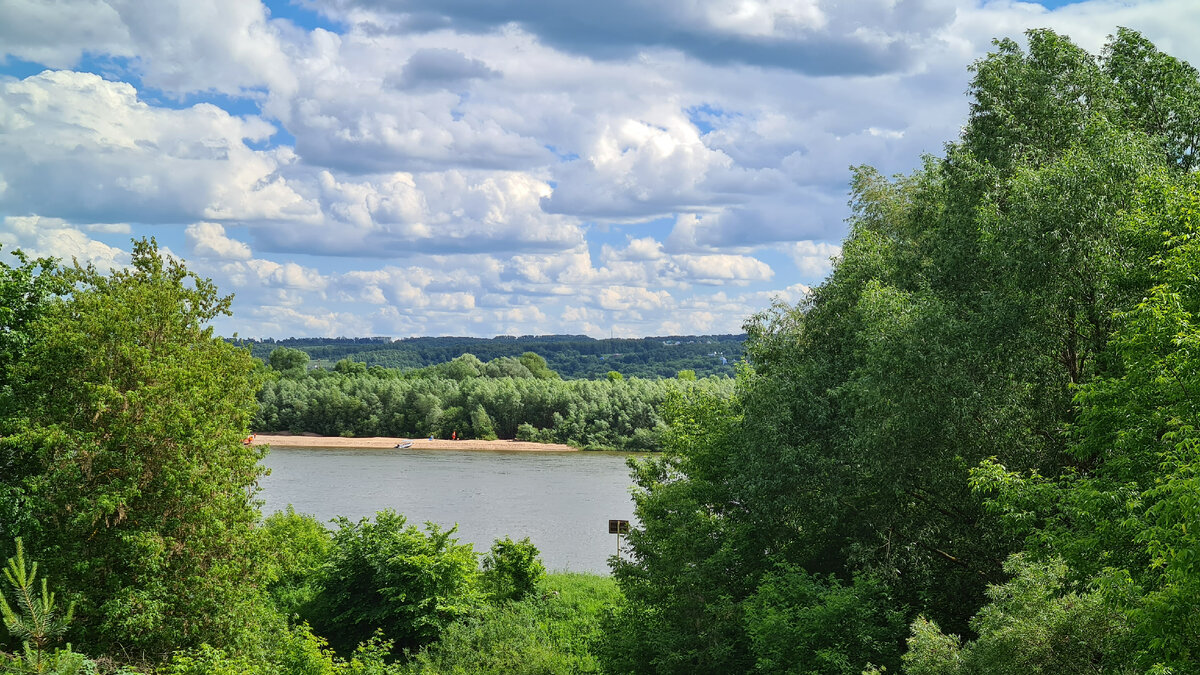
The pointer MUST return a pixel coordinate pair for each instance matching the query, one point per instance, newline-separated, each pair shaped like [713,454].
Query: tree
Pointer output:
[292,362]
[1120,517]
[537,366]
[139,487]
[974,300]
[27,290]
[37,622]
[350,367]
[687,572]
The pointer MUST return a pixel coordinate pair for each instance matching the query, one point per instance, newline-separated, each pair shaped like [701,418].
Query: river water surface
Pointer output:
[561,500]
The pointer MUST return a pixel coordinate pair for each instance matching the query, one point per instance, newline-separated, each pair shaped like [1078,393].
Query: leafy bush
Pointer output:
[526,432]
[512,569]
[128,438]
[392,576]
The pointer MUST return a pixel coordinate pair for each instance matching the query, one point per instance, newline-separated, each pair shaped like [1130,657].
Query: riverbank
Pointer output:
[378,442]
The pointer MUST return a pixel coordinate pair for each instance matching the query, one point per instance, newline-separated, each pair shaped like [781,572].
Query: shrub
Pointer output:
[392,576]
[527,432]
[512,569]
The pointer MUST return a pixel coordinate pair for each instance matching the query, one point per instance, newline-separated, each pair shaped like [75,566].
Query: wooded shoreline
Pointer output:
[384,442]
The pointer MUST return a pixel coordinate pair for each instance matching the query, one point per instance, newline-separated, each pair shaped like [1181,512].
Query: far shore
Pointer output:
[381,442]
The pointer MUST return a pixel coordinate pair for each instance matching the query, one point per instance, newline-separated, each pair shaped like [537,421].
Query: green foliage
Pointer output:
[297,651]
[136,481]
[527,432]
[596,414]
[685,567]
[36,622]
[391,576]
[1002,359]
[294,546]
[1033,624]
[61,661]
[800,623]
[568,356]
[481,424]
[290,362]
[537,366]
[512,570]
[27,289]
[551,634]
[1122,517]
[348,367]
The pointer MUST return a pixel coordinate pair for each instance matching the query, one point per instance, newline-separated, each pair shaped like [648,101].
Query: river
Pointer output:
[560,500]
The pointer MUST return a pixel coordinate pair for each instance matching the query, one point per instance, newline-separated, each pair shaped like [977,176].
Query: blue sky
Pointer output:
[471,167]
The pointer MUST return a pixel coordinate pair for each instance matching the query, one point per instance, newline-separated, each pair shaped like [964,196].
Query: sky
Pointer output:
[489,167]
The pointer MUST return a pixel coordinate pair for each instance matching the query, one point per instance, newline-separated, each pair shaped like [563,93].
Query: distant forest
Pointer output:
[571,356]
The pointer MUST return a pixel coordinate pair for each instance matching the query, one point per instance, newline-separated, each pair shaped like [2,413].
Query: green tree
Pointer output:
[686,571]
[1120,516]
[292,362]
[481,424]
[538,366]
[36,622]
[140,490]
[974,300]
[27,289]
[350,367]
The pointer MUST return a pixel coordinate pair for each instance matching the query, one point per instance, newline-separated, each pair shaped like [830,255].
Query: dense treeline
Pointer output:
[507,397]
[571,356]
[973,449]
[125,487]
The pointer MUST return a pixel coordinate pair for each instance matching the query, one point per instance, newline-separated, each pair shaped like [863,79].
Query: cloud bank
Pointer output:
[378,167]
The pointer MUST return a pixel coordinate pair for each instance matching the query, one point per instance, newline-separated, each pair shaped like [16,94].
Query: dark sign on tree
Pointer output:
[618,527]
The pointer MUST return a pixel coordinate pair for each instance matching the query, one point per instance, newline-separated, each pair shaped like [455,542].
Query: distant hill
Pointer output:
[571,356]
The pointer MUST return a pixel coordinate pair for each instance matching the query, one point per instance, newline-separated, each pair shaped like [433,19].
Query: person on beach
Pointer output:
[454,435]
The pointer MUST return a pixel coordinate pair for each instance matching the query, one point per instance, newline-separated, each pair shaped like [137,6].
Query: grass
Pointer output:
[551,632]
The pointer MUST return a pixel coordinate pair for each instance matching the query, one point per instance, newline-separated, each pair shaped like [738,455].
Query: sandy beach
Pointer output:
[312,441]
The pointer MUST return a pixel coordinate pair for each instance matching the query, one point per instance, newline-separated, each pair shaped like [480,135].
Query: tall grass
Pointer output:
[551,632]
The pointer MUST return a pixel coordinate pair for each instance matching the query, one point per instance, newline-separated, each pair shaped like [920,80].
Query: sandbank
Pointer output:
[375,442]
